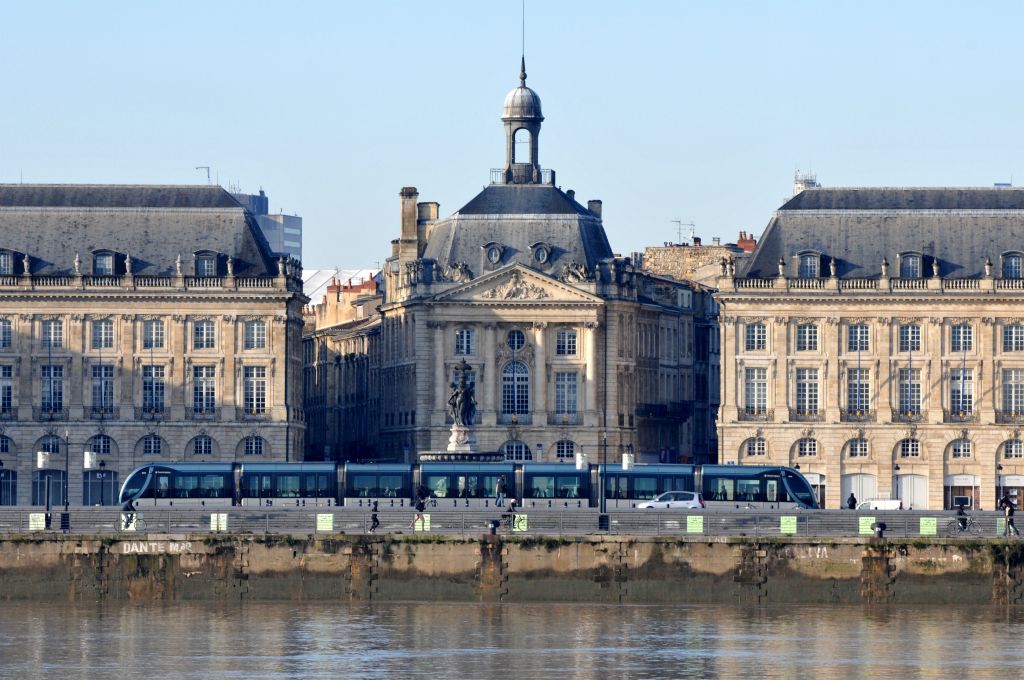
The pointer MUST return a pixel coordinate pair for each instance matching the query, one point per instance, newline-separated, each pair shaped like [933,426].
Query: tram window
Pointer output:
[678,484]
[719,489]
[363,486]
[645,488]
[489,483]
[541,487]
[615,486]
[748,490]
[163,486]
[392,486]
[135,483]
[316,486]
[212,486]
[185,486]
[287,486]
[437,485]
[568,487]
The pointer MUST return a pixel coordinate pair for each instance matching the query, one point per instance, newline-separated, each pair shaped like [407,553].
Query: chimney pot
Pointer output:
[594,206]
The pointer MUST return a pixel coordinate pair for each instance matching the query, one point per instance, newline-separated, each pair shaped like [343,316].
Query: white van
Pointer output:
[879,504]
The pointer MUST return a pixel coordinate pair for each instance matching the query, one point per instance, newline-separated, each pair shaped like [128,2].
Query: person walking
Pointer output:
[1008,510]
[499,492]
[851,502]
[421,505]
[374,522]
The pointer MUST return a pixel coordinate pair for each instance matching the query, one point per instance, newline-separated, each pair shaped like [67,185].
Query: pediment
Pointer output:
[516,284]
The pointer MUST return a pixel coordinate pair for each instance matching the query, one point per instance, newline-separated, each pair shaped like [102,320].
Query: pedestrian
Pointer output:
[374,522]
[499,492]
[1008,511]
[421,505]
[851,502]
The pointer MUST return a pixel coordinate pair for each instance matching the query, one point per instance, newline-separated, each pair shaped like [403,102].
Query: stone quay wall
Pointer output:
[614,569]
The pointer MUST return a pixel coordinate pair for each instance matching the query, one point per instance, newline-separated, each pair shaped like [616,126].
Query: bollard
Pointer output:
[602,523]
[880,529]
[492,526]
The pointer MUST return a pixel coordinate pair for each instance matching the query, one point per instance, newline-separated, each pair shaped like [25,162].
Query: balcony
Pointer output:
[104,412]
[47,413]
[202,413]
[565,419]
[1010,417]
[763,415]
[515,419]
[907,416]
[149,412]
[852,415]
[250,413]
[801,416]
[959,416]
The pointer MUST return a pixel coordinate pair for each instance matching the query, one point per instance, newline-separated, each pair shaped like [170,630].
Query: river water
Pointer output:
[508,641]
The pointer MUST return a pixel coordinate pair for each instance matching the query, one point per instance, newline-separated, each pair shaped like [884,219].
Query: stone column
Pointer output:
[440,383]
[932,370]
[985,382]
[591,375]
[540,372]
[491,372]
[882,378]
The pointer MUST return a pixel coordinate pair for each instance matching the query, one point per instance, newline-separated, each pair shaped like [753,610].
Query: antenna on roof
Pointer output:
[207,168]
[679,230]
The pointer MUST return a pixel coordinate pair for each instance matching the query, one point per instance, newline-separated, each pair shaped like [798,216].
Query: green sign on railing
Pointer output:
[695,524]
[519,523]
[324,522]
[422,524]
[787,524]
[865,525]
[929,526]
[36,521]
[1000,526]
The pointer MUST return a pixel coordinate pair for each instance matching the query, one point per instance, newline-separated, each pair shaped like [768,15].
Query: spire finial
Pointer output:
[522,72]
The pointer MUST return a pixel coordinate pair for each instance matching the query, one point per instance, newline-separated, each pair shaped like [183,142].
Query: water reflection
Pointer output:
[320,640]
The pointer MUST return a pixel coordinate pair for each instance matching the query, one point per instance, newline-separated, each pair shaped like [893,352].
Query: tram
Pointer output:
[540,486]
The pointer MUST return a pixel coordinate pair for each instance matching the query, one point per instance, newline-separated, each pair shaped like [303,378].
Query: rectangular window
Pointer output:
[465,342]
[807,391]
[961,391]
[53,334]
[755,391]
[566,450]
[204,390]
[857,338]
[5,334]
[756,337]
[6,389]
[254,384]
[5,264]
[807,338]
[153,389]
[961,448]
[202,446]
[102,388]
[255,335]
[910,391]
[203,334]
[757,446]
[910,448]
[1014,448]
[1013,338]
[206,266]
[961,338]
[858,390]
[565,343]
[1013,391]
[51,388]
[103,265]
[910,338]
[807,448]
[103,334]
[153,334]
[858,448]
[565,393]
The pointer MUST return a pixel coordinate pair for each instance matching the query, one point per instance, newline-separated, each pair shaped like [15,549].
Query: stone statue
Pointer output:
[782,267]
[885,267]
[462,402]
[988,267]
[832,268]
[935,267]
[177,265]
[231,266]
[128,263]
[78,265]
[27,265]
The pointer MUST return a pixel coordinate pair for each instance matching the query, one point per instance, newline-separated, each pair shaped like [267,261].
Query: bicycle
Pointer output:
[959,526]
[137,523]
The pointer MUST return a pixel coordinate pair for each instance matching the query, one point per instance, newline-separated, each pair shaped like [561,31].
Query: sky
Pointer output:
[693,111]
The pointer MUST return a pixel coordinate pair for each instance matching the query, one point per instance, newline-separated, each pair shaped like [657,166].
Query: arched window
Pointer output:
[910,266]
[515,389]
[910,448]
[807,448]
[253,446]
[565,450]
[809,266]
[517,450]
[521,146]
[201,445]
[1013,448]
[50,444]
[1012,266]
[960,448]
[755,446]
[857,448]
[101,445]
[152,445]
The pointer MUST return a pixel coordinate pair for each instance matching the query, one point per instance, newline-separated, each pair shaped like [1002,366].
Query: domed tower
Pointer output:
[522,118]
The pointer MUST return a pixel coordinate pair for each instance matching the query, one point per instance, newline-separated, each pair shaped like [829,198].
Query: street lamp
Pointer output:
[67,469]
[102,477]
[999,481]
[896,479]
[604,472]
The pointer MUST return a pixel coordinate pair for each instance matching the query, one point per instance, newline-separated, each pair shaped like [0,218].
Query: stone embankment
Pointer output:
[619,569]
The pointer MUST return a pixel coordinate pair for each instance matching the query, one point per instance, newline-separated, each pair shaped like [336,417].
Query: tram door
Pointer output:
[257,485]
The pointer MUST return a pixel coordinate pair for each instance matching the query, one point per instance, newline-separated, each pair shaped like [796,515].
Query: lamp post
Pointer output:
[604,471]
[102,478]
[999,482]
[67,470]
[896,479]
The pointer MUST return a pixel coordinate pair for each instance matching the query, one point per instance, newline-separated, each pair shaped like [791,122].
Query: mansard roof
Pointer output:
[154,224]
[959,228]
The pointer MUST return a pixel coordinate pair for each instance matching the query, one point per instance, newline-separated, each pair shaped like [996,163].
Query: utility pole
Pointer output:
[679,230]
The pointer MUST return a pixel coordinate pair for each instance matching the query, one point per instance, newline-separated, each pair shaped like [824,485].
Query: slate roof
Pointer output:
[859,227]
[153,224]
[517,217]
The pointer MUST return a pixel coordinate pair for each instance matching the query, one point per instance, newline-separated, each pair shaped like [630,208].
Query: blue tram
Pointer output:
[540,486]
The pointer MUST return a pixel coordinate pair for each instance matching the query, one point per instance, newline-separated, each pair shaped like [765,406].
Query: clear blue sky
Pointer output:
[665,110]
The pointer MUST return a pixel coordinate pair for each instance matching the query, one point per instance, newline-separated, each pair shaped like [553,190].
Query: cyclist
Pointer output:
[128,508]
[961,517]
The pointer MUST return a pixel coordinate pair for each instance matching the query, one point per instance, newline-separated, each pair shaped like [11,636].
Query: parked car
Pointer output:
[675,499]
[880,504]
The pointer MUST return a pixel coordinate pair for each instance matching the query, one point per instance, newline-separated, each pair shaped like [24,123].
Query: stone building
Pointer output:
[875,339]
[697,261]
[140,323]
[573,349]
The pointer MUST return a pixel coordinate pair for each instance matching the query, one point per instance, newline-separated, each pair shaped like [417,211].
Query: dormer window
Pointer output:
[1012,266]
[103,264]
[910,266]
[6,264]
[809,266]
[493,252]
[541,252]
[206,265]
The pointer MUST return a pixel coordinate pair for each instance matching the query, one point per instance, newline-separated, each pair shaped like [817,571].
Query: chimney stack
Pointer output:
[408,249]
[594,206]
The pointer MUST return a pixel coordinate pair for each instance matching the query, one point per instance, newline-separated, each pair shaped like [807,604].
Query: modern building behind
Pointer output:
[283,232]
[140,323]
[875,340]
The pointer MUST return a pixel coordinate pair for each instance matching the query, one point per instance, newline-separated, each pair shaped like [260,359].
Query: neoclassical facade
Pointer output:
[875,339]
[140,323]
[572,348]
